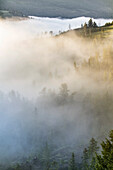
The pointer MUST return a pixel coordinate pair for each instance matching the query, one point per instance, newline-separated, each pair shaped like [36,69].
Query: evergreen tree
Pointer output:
[94,25]
[93,148]
[88,159]
[92,165]
[85,159]
[90,23]
[72,165]
[105,160]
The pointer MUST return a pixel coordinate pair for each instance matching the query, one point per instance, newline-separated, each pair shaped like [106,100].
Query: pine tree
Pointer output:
[85,159]
[90,23]
[88,159]
[72,165]
[93,148]
[95,25]
[105,160]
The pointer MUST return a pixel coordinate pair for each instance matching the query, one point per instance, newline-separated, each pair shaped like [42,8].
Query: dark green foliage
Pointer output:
[95,25]
[88,159]
[92,165]
[93,148]
[72,165]
[109,24]
[90,23]
[85,159]
[89,28]
[105,160]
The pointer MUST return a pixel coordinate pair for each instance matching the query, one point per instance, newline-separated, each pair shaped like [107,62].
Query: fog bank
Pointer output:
[50,92]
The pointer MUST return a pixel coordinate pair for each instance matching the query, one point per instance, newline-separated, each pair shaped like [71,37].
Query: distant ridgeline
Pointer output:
[109,24]
[6,13]
[62,8]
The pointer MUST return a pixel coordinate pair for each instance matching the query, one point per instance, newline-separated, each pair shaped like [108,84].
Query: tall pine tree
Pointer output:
[105,160]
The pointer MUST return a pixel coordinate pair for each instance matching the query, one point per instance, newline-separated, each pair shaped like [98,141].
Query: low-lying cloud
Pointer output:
[61,104]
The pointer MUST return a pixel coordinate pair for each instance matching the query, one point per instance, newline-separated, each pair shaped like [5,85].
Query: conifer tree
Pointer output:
[85,159]
[105,160]
[88,159]
[90,23]
[93,148]
[94,25]
[72,165]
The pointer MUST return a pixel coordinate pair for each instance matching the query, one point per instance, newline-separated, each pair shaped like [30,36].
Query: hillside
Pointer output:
[99,32]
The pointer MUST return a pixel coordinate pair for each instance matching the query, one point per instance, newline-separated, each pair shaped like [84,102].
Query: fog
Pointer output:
[32,62]
[62,24]
[44,98]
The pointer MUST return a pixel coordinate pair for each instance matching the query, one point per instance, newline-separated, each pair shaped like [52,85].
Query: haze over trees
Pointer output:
[68,108]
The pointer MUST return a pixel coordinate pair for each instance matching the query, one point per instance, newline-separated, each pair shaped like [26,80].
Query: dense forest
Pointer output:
[48,138]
